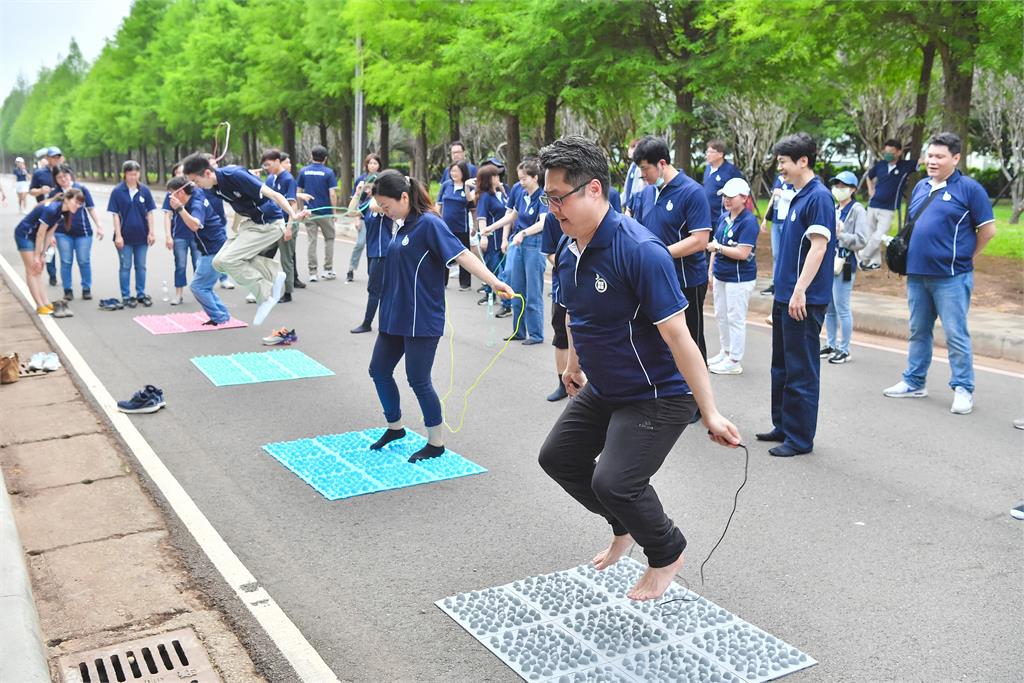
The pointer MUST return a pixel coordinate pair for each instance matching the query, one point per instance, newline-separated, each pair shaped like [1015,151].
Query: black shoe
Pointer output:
[349,277]
[839,357]
[826,351]
[774,435]
[86,294]
[504,313]
[69,294]
[362,328]
[53,281]
[513,338]
[482,300]
[558,394]
[482,289]
[145,300]
[130,302]
[465,288]
[785,451]
[286,298]
[769,290]
[531,341]
[299,284]
[211,323]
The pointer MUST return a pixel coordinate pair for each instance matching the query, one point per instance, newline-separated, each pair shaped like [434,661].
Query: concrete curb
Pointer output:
[22,654]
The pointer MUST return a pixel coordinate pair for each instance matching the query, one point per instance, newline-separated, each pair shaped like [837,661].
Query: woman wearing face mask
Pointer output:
[851,235]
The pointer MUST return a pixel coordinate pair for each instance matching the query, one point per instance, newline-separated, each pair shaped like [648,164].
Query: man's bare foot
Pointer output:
[613,553]
[655,581]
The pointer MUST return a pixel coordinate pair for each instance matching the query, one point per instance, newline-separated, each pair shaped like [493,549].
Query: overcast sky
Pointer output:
[35,33]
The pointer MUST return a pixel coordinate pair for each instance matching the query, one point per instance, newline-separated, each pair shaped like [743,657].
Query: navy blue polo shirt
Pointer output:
[632,185]
[447,174]
[213,233]
[20,174]
[132,212]
[48,214]
[741,232]
[42,177]
[217,204]
[179,230]
[317,180]
[284,183]
[812,211]
[513,197]
[490,206]
[889,184]
[80,225]
[715,181]
[241,189]
[946,234]
[378,233]
[454,208]
[529,210]
[415,272]
[550,238]
[614,199]
[616,292]
[672,213]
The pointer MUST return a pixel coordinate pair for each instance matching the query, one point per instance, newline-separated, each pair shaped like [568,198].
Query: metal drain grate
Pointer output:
[173,656]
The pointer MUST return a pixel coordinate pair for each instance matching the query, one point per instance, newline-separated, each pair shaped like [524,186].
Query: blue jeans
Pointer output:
[419,359]
[839,313]
[492,257]
[182,249]
[128,255]
[202,288]
[74,248]
[950,299]
[796,369]
[357,251]
[776,237]
[525,266]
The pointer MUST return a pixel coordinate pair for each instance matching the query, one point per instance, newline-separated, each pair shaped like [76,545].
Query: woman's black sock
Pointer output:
[426,453]
[388,436]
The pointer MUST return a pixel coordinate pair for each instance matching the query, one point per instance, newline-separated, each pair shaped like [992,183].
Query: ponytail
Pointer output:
[392,184]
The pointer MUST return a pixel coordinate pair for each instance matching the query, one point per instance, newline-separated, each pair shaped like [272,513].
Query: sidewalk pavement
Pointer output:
[102,565]
[994,334]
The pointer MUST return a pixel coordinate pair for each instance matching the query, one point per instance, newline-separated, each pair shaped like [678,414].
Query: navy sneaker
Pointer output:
[148,400]
[129,302]
[111,304]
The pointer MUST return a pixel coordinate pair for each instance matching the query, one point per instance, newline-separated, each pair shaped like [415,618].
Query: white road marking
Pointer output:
[306,661]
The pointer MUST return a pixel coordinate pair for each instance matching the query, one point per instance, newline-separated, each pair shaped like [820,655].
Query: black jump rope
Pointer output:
[735,502]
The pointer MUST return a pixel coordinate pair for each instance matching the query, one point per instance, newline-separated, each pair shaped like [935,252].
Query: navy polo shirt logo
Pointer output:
[600,285]
[718,177]
[405,241]
[237,194]
[668,207]
[946,196]
[793,217]
[530,211]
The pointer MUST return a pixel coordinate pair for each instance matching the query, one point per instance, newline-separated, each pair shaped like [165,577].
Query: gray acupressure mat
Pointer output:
[577,626]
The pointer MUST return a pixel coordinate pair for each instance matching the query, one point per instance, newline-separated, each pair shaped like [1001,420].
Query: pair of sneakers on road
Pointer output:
[48,362]
[722,364]
[963,400]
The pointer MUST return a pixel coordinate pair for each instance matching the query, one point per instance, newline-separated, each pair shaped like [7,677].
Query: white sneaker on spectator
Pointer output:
[250,298]
[903,390]
[227,284]
[963,401]
[727,367]
[330,275]
[312,277]
[718,358]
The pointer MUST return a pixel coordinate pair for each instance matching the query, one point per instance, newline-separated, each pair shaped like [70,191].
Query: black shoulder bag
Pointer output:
[896,251]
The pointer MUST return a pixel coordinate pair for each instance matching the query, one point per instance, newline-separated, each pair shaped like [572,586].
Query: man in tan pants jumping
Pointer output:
[263,210]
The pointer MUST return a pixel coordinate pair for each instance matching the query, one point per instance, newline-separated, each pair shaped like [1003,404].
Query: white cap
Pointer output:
[735,186]
[19,159]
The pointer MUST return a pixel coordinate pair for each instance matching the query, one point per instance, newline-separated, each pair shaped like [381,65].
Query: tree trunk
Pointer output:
[288,135]
[454,133]
[254,150]
[958,73]
[161,169]
[419,160]
[924,84]
[323,133]
[384,148]
[683,128]
[345,154]
[246,158]
[513,152]
[144,160]
[550,112]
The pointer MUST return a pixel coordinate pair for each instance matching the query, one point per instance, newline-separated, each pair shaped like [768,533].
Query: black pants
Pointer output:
[633,439]
[374,288]
[796,369]
[695,316]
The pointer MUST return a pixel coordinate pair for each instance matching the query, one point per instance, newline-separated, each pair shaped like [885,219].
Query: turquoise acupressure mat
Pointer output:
[342,465]
[266,366]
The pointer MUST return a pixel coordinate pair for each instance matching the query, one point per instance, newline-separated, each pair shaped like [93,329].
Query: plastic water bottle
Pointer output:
[491,333]
[50,254]
[167,296]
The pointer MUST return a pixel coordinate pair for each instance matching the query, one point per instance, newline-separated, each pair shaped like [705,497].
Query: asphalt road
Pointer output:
[888,554]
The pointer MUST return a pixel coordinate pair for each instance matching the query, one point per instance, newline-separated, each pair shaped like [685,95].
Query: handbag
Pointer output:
[896,251]
[9,369]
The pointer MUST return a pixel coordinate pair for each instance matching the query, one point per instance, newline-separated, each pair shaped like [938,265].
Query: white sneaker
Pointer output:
[903,390]
[177,301]
[36,361]
[963,401]
[51,362]
[727,367]
[330,275]
[312,277]
[275,295]
[250,298]
[227,284]
[718,358]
